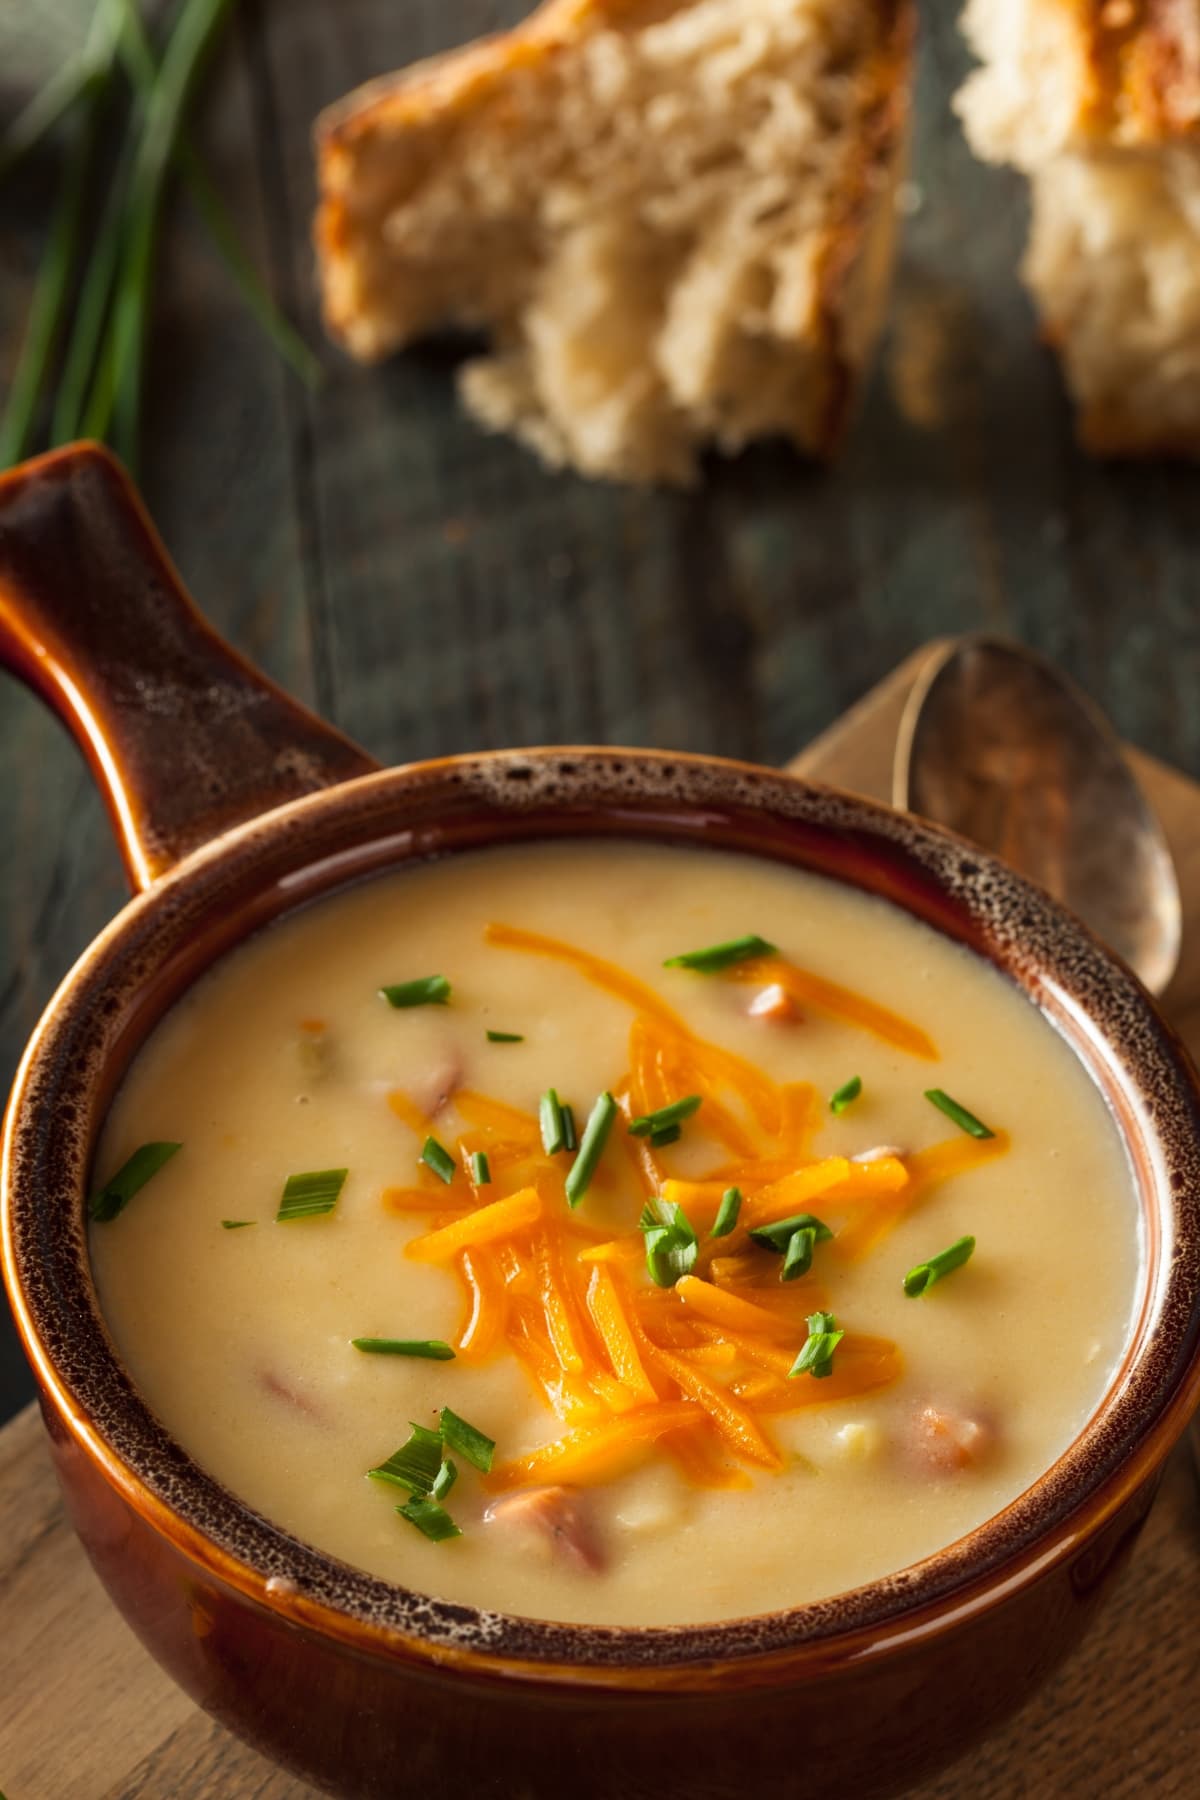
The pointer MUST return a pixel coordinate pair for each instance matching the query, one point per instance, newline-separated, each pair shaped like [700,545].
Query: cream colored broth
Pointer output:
[240,1339]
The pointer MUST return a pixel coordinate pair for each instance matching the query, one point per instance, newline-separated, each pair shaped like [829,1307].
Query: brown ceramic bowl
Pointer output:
[232,806]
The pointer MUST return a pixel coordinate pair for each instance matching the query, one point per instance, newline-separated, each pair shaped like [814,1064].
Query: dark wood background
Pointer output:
[434,590]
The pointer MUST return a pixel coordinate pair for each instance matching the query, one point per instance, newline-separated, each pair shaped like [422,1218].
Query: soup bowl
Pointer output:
[232,806]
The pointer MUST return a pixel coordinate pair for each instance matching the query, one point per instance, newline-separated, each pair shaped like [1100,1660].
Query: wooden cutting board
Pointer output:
[86,1715]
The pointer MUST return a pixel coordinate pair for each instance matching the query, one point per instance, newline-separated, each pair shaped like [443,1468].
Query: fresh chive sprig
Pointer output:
[551,1122]
[468,1440]
[794,1239]
[816,1355]
[845,1096]
[727,1212]
[415,1464]
[966,1121]
[309,1195]
[430,1518]
[649,1124]
[437,1158]
[591,1148]
[99,302]
[918,1281]
[426,990]
[430,1349]
[671,1242]
[114,1195]
[722,956]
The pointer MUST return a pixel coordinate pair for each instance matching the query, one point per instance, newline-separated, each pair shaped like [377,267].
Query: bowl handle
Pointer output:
[184,737]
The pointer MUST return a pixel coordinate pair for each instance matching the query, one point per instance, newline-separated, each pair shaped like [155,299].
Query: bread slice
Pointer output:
[673,218]
[1099,103]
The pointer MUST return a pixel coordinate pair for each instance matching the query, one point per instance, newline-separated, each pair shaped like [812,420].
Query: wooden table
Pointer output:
[435,590]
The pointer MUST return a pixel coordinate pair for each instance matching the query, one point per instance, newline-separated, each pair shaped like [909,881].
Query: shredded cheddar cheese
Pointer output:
[695,1370]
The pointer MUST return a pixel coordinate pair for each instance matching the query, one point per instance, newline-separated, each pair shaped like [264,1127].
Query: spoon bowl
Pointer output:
[1001,747]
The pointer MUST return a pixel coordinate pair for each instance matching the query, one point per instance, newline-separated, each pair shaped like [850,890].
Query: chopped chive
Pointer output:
[432,1349]
[816,1356]
[307,1196]
[427,990]
[445,1479]
[467,1440]
[966,1121]
[236,1224]
[116,1193]
[919,1280]
[778,1235]
[797,1258]
[570,1133]
[415,1464]
[674,1114]
[430,1518]
[722,956]
[671,1243]
[436,1157]
[505,1037]
[795,1239]
[591,1148]
[846,1095]
[481,1172]
[550,1117]
[666,1134]
[727,1212]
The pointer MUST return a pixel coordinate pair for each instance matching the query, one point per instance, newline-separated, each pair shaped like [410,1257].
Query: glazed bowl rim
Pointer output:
[1127,1436]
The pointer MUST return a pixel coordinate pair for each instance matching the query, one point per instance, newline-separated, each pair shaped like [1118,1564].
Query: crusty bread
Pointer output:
[1098,101]
[673,217]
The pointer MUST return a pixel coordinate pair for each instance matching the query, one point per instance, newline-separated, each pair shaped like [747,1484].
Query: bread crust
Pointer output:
[854,254]
[1143,60]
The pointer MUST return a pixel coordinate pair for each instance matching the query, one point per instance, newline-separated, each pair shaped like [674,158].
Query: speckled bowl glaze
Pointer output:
[366,1688]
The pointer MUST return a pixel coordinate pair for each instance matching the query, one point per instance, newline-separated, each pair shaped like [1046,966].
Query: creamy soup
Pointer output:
[726,1312]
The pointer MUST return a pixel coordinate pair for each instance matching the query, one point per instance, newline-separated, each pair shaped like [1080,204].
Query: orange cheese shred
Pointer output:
[436,1200]
[485,1289]
[793,1192]
[555,1305]
[615,1250]
[496,1117]
[809,990]
[734,1424]
[483,1226]
[699,1459]
[603,974]
[724,1308]
[616,1333]
[410,1114]
[600,1452]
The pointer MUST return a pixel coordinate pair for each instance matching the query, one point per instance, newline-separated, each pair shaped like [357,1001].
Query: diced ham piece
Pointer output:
[775,1004]
[439,1085]
[279,1389]
[557,1519]
[945,1440]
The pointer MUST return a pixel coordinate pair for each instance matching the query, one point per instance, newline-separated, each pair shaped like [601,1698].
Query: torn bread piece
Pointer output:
[1098,102]
[673,219]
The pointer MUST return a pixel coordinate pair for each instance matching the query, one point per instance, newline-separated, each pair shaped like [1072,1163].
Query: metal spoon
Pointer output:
[1000,746]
